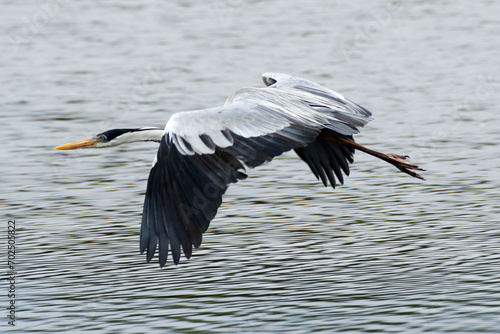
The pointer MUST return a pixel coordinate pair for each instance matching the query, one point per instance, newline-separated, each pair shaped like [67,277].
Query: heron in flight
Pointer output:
[202,151]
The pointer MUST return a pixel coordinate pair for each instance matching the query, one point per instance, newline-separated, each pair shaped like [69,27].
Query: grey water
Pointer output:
[383,253]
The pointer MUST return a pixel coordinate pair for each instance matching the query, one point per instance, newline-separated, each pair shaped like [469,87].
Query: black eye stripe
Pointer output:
[113,133]
[109,135]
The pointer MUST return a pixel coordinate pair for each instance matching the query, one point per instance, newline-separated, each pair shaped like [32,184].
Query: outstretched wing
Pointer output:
[325,158]
[203,151]
[182,197]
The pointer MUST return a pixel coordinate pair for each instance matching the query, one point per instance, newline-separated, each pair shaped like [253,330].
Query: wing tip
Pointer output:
[270,78]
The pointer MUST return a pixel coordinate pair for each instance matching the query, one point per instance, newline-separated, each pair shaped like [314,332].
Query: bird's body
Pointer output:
[201,152]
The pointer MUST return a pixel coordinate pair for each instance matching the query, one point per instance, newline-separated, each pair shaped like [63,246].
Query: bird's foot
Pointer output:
[406,167]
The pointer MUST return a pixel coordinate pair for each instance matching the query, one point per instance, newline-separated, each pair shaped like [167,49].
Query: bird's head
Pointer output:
[115,137]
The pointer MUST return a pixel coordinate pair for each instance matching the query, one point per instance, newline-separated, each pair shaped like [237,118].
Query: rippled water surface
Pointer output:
[383,253]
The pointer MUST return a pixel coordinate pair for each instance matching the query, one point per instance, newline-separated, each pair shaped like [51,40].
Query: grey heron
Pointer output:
[202,151]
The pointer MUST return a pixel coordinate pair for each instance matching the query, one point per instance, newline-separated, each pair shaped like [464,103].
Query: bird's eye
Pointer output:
[101,138]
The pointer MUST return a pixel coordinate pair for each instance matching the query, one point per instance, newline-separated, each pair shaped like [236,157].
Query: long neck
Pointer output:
[136,135]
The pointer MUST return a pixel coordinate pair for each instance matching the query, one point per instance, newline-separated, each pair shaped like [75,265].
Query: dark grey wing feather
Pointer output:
[255,151]
[325,157]
[182,197]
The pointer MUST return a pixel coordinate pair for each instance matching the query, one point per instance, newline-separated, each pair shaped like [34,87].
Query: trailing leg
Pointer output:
[399,161]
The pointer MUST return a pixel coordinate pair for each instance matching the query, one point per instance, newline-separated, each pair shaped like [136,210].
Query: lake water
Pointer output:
[383,253]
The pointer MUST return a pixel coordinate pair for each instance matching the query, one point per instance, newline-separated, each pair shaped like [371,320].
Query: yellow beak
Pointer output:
[86,143]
